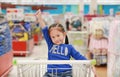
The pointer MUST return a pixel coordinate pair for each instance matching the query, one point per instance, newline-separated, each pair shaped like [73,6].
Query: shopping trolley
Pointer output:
[37,68]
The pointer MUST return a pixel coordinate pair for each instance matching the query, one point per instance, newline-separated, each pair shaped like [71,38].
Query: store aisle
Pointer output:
[101,71]
[40,52]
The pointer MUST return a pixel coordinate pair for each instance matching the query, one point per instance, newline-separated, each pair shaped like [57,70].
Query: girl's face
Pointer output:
[57,36]
[99,34]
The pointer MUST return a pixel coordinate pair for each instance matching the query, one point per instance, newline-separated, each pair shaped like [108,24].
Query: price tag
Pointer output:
[30,17]
[15,14]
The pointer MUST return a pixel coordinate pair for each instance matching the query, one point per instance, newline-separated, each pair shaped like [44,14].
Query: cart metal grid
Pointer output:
[37,68]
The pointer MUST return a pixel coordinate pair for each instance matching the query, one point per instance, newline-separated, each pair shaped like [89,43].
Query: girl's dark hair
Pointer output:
[60,28]
[66,40]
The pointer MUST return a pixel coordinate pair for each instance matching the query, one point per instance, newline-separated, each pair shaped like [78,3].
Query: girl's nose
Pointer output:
[56,39]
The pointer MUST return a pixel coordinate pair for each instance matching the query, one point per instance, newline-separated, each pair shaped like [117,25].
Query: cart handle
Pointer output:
[92,62]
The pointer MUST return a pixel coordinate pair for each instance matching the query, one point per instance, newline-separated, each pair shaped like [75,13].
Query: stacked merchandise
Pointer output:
[5,38]
[22,36]
[32,27]
[37,34]
[19,32]
[5,48]
[22,43]
[28,29]
[74,22]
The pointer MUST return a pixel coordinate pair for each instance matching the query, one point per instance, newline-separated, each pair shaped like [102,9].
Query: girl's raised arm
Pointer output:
[40,19]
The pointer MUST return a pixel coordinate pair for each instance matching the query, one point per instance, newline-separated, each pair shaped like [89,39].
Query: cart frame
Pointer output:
[37,68]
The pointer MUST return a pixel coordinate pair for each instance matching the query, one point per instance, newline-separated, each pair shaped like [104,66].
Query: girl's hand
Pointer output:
[38,15]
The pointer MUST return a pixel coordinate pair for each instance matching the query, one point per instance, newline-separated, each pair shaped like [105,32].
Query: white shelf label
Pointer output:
[15,14]
[30,17]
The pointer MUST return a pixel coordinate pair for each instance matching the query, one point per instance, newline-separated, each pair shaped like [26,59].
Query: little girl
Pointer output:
[98,46]
[58,49]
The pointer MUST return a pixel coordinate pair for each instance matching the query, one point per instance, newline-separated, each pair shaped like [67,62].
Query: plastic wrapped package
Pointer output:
[5,37]
[5,48]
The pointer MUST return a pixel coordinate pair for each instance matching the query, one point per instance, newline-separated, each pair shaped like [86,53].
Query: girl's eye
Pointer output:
[58,35]
[53,37]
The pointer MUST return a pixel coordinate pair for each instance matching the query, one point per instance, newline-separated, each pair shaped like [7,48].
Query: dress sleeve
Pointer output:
[47,37]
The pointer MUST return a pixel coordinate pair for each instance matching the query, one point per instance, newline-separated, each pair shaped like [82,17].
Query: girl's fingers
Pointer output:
[38,12]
